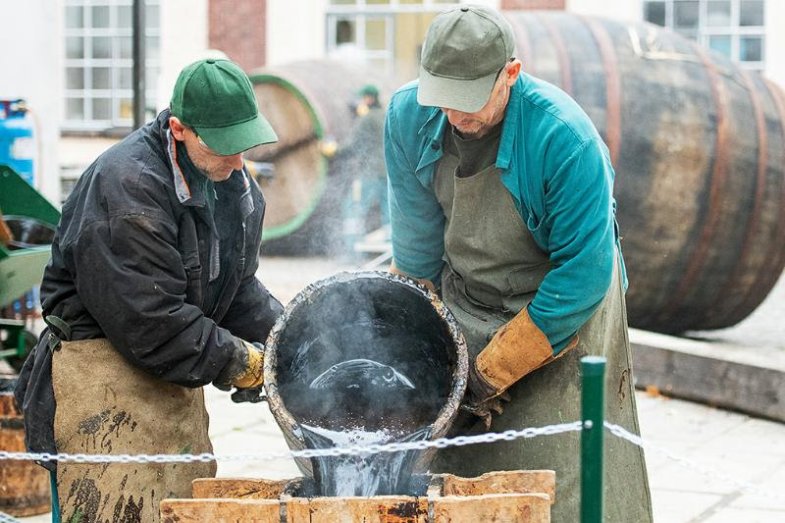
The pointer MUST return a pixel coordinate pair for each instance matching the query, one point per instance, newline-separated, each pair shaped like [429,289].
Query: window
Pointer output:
[385,34]
[99,62]
[734,28]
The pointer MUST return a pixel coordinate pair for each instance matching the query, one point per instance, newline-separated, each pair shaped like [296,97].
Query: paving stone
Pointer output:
[680,507]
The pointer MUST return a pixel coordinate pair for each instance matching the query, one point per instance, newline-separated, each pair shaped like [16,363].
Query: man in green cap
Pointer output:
[150,294]
[501,198]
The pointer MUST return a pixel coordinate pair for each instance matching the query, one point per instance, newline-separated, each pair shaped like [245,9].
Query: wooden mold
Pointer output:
[496,497]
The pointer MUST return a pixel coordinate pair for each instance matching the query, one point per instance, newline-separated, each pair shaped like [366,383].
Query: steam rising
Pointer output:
[363,361]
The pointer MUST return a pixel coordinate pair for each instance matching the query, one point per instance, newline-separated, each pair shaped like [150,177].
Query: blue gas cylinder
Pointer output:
[17,144]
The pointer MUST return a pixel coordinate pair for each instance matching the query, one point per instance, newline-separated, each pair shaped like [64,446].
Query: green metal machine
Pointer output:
[31,220]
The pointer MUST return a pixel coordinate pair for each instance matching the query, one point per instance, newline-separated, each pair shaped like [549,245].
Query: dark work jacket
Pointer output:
[136,260]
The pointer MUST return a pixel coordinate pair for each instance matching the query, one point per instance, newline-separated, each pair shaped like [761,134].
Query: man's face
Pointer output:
[477,124]
[214,166]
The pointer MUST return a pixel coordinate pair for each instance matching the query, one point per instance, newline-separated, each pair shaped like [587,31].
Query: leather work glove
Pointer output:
[245,369]
[518,348]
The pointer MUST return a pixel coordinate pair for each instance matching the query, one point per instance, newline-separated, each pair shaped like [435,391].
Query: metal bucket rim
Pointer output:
[458,382]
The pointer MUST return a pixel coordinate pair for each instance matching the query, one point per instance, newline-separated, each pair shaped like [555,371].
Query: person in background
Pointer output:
[501,199]
[151,294]
[365,206]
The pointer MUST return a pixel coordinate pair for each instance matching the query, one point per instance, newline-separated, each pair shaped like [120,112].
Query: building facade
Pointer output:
[72,59]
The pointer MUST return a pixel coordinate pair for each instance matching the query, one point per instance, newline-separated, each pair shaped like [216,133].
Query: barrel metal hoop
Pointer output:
[774,263]
[612,86]
[12,423]
[561,52]
[754,220]
[525,53]
[700,254]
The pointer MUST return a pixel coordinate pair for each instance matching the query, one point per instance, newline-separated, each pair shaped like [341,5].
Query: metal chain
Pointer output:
[364,451]
[7,518]
[621,432]
[355,450]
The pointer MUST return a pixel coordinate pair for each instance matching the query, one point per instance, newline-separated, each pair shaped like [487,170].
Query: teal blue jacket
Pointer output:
[557,170]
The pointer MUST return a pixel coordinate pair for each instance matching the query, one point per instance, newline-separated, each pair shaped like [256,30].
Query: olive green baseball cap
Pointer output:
[464,50]
[216,99]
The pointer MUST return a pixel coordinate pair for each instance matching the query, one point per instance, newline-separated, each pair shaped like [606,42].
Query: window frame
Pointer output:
[704,32]
[117,96]
[361,11]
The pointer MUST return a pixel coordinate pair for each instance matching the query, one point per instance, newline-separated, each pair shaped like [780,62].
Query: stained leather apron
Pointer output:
[107,406]
[493,269]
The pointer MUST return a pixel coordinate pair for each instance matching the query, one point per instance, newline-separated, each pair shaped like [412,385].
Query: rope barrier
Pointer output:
[364,451]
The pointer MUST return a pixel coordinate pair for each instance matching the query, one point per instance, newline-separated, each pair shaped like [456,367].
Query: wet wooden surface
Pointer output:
[509,497]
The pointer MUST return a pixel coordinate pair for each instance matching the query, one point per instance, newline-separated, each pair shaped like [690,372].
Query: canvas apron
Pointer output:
[107,406]
[493,269]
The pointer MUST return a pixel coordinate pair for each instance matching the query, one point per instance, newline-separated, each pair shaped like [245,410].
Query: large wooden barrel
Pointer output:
[309,104]
[698,145]
[24,486]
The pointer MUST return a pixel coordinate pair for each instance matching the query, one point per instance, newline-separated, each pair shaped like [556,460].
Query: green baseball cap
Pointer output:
[216,99]
[368,90]
[464,50]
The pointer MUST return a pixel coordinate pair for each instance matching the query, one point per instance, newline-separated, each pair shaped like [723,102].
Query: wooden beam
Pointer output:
[745,379]
[494,508]
[502,482]
[241,488]
[220,511]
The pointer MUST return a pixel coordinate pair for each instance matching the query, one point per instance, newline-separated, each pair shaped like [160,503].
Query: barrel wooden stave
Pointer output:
[24,486]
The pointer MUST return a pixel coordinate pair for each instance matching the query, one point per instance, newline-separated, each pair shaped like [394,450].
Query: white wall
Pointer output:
[775,41]
[31,68]
[295,30]
[623,10]
[495,4]
[184,39]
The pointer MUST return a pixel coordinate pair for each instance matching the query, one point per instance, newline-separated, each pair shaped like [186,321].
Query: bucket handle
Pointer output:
[255,395]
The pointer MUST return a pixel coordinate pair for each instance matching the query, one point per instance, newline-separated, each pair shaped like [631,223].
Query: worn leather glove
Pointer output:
[245,369]
[518,348]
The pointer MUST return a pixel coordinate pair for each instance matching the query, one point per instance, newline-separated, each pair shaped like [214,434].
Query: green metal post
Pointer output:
[592,456]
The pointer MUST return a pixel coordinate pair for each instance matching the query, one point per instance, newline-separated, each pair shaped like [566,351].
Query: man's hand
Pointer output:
[428,284]
[481,399]
[245,369]
[518,348]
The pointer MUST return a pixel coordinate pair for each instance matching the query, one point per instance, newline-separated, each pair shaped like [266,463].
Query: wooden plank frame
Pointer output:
[495,497]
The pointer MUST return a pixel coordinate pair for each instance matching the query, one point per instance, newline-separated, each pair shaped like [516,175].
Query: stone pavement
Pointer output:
[705,465]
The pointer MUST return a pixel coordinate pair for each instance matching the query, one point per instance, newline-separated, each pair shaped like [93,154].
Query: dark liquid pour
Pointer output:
[385,473]
[359,383]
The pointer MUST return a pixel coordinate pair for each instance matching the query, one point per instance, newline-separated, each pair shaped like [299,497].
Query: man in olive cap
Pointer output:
[501,197]
[150,294]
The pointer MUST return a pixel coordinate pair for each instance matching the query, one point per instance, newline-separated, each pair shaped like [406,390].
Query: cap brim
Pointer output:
[239,137]
[468,96]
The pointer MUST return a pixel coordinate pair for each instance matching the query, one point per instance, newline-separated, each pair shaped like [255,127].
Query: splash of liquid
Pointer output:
[380,474]
[366,403]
